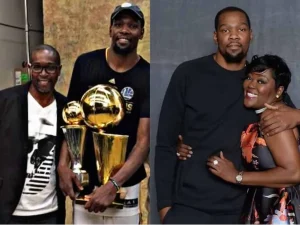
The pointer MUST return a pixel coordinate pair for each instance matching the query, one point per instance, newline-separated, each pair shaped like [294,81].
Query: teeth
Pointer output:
[251,95]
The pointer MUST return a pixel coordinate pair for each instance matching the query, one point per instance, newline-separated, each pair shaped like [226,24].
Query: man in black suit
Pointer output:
[31,114]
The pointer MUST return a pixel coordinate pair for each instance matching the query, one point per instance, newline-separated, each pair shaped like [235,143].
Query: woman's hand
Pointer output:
[183,151]
[222,167]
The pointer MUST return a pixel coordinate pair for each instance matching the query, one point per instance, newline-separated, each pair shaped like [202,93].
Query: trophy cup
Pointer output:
[103,106]
[75,137]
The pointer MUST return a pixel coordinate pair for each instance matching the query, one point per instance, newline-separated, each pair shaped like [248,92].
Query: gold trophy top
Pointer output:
[102,106]
[72,113]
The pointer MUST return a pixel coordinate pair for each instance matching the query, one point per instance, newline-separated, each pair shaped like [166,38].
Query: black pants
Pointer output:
[49,218]
[179,214]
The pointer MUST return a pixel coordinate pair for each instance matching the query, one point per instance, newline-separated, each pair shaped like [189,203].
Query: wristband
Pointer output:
[114,183]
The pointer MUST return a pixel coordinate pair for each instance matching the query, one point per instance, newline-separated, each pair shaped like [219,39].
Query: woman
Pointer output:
[272,163]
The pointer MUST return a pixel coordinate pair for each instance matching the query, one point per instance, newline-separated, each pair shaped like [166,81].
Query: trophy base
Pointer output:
[118,203]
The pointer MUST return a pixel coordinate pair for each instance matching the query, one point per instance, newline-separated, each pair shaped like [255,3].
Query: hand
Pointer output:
[101,198]
[278,118]
[223,169]
[123,193]
[183,151]
[163,212]
[67,179]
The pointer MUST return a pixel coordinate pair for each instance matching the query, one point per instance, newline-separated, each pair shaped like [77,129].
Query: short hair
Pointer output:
[281,72]
[230,9]
[49,48]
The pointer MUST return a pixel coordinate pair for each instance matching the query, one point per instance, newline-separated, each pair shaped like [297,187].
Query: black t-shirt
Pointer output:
[204,103]
[91,69]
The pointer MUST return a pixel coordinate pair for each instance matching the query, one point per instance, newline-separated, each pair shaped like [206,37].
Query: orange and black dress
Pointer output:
[265,205]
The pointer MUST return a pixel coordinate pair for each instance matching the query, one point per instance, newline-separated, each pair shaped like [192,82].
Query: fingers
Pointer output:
[212,166]
[182,158]
[184,152]
[88,204]
[271,106]
[265,123]
[222,155]
[180,138]
[93,206]
[271,129]
[213,162]
[67,189]
[123,193]
[77,183]
[274,131]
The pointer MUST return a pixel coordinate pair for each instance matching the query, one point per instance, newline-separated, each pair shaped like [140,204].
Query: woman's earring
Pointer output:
[277,96]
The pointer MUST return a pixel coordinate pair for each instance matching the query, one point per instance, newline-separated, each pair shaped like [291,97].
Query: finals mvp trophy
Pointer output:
[75,134]
[103,107]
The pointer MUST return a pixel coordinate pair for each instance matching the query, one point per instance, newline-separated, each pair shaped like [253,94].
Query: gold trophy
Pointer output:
[103,106]
[75,137]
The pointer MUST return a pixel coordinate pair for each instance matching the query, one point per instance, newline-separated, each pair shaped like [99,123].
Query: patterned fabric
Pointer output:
[266,205]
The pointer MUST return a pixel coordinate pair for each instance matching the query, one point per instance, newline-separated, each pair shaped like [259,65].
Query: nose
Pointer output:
[43,72]
[252,84]
[234,34]
[125,29]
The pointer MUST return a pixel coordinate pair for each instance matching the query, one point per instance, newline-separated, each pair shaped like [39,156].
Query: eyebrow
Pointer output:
[246,24]
[261,74]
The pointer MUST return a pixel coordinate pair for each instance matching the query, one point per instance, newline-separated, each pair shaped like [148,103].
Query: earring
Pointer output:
[277,96]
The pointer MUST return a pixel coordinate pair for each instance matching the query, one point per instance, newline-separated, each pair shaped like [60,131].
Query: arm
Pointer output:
[140,151]
[280,118]
[284,149]
[138,155]
[105,195]
[66,176]
[169,126]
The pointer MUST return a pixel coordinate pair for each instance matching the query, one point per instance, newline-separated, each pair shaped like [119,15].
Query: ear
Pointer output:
[142,33]
[280,90]
[59,70]
[251,35]
[110,35]
[215,38]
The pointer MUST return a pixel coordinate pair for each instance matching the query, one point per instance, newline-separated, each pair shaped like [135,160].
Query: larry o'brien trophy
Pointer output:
[75,134]
[103,107]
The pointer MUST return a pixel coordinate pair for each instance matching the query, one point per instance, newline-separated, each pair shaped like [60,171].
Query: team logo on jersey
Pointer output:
[112,81]
[127,93]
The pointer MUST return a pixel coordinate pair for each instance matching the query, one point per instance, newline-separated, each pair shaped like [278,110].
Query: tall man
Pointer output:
[120,66]
[30,120]
[188,192]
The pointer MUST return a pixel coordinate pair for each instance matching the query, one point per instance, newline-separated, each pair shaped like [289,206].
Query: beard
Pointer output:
[43,90]
[233,58]
[122,51]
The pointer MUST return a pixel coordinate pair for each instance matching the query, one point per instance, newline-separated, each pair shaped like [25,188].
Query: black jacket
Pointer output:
[14,147]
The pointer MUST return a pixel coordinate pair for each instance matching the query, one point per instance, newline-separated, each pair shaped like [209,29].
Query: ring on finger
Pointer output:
[215,162]
[178,154]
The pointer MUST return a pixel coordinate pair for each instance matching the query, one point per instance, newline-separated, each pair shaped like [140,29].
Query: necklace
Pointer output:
[260,110]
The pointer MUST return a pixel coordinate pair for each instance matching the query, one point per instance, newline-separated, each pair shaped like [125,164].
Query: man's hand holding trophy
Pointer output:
[100,107]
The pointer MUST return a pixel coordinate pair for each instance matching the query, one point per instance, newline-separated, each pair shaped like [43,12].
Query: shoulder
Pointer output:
[13,91]
[191,68]
[96,54]
[144,63]
[60,97]
[195,64]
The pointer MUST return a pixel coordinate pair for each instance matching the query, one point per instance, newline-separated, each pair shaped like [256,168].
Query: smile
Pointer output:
[123,40]
[250,95]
